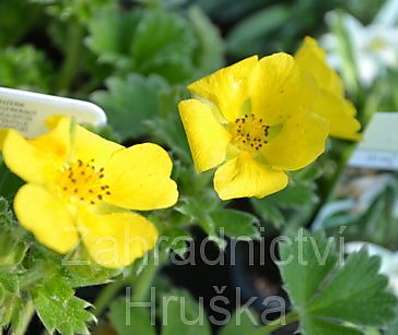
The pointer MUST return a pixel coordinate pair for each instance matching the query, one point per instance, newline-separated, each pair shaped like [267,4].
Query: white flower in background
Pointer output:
[389,260]
[375,47]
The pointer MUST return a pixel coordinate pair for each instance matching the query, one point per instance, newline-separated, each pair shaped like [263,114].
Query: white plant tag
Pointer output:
[379,148]
[27,111]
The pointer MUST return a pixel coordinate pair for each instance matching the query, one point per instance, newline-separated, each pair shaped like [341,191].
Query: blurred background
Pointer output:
[134,59]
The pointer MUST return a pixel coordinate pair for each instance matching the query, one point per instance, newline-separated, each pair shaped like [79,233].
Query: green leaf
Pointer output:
[210,49]
[175,239]
[269,212]
[243,321]
[183,315]
[59,309]
[80,270]
[236,224]
[128,320]
[295,196]
[331,298]
[129,102]
[247,36]
[164,44]
[169,131]
[111,34]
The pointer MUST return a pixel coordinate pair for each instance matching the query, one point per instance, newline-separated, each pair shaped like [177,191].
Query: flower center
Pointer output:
[84,181]
[250,133]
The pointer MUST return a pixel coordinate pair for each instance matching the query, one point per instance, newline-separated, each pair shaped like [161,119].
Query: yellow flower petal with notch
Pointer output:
[81,186]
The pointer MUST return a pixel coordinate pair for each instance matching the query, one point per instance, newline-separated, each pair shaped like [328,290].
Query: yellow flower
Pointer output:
[330,102]
[81,186]
[256,119]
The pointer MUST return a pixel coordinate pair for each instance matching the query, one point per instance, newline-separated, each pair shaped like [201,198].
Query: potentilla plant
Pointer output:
[80,210]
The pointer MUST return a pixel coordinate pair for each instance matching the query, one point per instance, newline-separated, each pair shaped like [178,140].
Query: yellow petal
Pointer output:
[330,102]
[86,145]
[245,177]
[139,178]
[279,89]
[118,239]
[33,163]
[341,115]
[207,138]
[300,141]
[46,217]
[312,58]
[227,88]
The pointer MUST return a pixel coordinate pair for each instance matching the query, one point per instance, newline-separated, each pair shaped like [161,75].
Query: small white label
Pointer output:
[27,111]
[379,148]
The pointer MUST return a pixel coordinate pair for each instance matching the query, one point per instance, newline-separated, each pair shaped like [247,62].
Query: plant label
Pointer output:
[27,111]
[379,148]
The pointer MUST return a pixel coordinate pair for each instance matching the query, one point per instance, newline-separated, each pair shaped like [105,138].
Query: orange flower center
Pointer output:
[250,133]
[84,181]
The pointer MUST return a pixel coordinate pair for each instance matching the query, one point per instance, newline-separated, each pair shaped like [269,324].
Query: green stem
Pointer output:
[145,279]
[141,283]
[72,57]
[276,324]
[108,293]
[26,316]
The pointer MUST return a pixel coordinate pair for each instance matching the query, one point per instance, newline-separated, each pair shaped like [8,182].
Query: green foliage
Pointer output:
[168,129]
[163,44]
[209,53]
[59,309]
[146,41]
[13,246]
[179,312]
[132,101]
[252,32]
[292,205]
[111,34]
[236,224]
[28,271]
[66,9]
[26,68]
[330,297]
[128,320]
[12,28]
[80,270]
